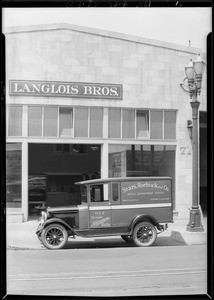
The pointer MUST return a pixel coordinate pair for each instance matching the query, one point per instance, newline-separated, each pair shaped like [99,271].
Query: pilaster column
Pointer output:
[25,180]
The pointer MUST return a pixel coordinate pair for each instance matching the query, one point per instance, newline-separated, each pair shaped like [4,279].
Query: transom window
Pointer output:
[85,122]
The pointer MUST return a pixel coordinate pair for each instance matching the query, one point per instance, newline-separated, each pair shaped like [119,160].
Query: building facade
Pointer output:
[84,103]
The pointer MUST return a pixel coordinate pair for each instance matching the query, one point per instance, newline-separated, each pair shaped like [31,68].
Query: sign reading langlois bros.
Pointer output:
[65,89]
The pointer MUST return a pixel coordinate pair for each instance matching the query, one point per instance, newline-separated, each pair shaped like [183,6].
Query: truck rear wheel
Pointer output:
[144,234]
[54,236]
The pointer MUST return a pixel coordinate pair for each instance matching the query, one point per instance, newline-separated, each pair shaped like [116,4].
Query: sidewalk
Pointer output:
[22,236]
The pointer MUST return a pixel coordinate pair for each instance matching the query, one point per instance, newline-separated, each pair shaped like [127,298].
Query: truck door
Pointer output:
[99,207]
[118,219]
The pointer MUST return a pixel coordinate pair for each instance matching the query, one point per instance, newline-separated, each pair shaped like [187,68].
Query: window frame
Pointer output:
[147,112]
[102,202]
[115,202]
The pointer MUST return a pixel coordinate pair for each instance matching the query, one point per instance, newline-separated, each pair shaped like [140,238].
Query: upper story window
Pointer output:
[15,120]
[65,121]
[114,123]
[128,123]
[35,120]
[84,122]
[96,122]
[50,121]
[142,117]
[156,124]
[169,125]
[81,122]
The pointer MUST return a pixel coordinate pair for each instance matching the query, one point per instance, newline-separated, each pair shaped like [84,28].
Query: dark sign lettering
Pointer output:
[65,89]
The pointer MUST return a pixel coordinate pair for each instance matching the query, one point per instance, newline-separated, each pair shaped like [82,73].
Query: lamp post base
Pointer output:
[194,224]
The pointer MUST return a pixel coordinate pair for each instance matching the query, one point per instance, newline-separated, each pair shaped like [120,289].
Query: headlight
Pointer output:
[44,215]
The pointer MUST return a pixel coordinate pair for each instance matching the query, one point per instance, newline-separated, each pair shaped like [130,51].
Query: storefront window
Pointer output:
[114,123]
[13,175]
[65,121]
[142,124]
[15,121]
[156,124]
[96,122]
[128,123]
[81,122]
[35,121]
[50,121]
[142,160]
[169,125]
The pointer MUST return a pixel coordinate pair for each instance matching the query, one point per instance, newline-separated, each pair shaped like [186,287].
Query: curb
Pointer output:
[189,238]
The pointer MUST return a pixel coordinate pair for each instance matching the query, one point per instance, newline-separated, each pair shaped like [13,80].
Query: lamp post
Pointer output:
[194,72]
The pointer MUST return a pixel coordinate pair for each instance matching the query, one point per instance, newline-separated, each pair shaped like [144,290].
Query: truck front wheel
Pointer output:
[54,236]
[144,234]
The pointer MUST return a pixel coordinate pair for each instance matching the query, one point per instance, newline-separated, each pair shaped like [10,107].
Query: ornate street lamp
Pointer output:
[194,72]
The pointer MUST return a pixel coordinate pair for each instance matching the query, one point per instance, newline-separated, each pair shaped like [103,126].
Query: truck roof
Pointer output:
[119,179]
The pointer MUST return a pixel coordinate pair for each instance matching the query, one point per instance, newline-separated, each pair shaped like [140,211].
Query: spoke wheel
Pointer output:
[54,236]
[127,238]
[144,234]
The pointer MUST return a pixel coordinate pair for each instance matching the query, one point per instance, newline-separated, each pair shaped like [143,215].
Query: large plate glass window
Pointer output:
[81,122]
[50,121]
[96,122]
[15,121]
[13,175]
[35,121]
[142,160]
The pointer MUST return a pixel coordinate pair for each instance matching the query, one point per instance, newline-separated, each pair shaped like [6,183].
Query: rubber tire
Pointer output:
[61,229]
[136,233]
[127,238]
[39,237]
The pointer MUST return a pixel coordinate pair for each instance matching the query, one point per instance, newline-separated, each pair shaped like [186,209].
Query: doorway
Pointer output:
[53,170]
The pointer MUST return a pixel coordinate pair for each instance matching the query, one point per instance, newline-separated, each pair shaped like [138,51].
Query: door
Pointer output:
[99,207]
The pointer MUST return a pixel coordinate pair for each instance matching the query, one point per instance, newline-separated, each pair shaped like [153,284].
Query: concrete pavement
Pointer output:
[22,236]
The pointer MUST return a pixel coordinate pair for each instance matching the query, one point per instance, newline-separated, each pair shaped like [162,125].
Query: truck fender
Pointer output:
[56,220]
[142,218]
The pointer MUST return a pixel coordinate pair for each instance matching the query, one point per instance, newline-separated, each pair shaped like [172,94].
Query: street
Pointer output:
[97,269]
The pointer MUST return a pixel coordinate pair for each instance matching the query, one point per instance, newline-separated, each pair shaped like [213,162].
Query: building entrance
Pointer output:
[53,170]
